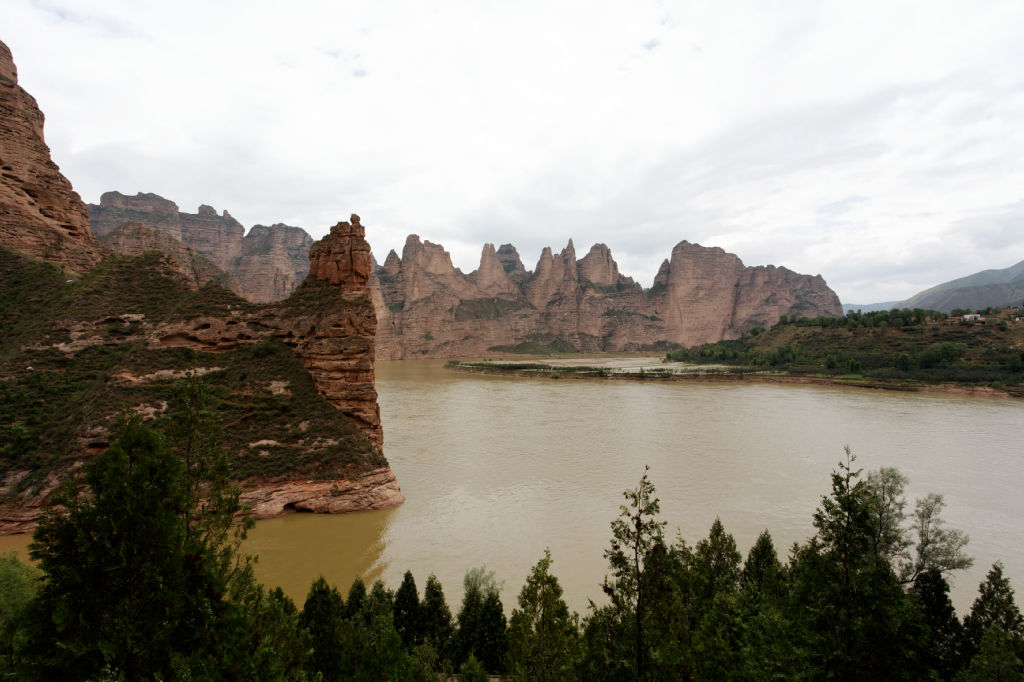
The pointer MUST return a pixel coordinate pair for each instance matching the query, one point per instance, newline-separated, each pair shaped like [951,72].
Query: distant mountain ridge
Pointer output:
[988,288]
[995,288]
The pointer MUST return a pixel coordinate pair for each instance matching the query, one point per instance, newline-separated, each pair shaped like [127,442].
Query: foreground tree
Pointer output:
[19,583]
[543,636]
[143,578]
[322,616]
[481,621]
[995,607]
[408,613]
[437,619]
[637,535]
[858,623]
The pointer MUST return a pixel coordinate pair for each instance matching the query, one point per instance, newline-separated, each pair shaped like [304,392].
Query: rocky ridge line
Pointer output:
[428,308]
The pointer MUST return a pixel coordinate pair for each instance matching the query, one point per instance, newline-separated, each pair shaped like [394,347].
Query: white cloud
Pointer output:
[875,143]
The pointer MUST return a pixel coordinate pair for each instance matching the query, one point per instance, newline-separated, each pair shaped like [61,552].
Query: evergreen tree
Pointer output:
[942,652]
[472,670]
[763,575]
[354,600]
[543,636]
[634,534]
[408,612]
[718,562]
[383,658]
[143,580]
[481,622]
[857,622]
[997,659]
[19,583]
[321,617]
[437,619]
[994,607]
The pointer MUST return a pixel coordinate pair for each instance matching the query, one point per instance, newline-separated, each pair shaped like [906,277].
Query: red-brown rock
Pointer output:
[40,214]
[427,308]
[268,263]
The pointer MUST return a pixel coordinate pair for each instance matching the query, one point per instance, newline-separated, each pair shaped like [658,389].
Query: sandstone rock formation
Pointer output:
[428,308]
[40,214]
[339,349]
[268,262]
[317,449]
[327,326]
[132,238]
[273,263]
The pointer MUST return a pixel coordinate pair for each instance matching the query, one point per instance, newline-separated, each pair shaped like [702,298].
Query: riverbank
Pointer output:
[717,374]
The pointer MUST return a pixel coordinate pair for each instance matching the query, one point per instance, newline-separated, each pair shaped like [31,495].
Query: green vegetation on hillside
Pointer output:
[897,345]
[56,403]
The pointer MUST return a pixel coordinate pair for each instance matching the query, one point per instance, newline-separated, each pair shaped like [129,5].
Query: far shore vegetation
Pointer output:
[900,348]
[142,579]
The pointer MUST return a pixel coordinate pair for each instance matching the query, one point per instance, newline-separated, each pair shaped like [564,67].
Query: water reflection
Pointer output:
[293,552]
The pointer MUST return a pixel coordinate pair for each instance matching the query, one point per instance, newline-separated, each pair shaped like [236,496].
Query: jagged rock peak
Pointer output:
[427,256]
[490,277]
[598,266]
[343,257]
[661,279]
[510,261]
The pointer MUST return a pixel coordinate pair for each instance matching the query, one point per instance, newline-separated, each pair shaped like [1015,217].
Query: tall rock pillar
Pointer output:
[339,352]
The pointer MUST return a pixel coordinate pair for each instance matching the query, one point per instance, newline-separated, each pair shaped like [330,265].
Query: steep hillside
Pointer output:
[292,382]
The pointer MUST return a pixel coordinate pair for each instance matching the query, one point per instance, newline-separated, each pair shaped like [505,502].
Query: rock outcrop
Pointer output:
[339,350]
[428,308]
[40,214]
[319,450]
[268,263]
[304,430]
[133,238]
[274,261]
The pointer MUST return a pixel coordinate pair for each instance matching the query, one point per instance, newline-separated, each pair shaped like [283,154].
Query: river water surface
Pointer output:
[495,469]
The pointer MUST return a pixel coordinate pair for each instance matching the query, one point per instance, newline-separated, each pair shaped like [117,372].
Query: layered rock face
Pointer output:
[274,261]
[268,262]
[428,308]
[339,351]
[329,325]
[40,214]
[133,238]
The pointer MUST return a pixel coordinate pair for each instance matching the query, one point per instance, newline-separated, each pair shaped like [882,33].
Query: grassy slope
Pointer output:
[50,415]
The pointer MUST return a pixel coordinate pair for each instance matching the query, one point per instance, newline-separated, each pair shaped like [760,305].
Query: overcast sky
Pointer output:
[878,144]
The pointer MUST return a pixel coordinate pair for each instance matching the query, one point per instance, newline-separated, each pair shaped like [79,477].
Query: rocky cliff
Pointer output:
[40,214]
[292,381]
[428,308]
[133,238]
[337,346]
[268,262]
